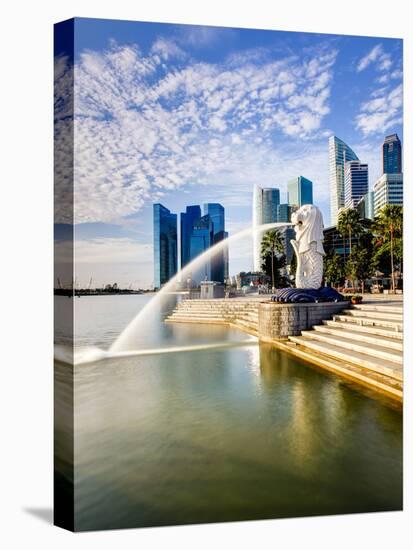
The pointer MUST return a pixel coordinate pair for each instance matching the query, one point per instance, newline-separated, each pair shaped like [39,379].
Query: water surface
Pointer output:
[222,435]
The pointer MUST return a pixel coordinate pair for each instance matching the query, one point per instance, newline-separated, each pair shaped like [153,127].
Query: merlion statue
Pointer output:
[308,246]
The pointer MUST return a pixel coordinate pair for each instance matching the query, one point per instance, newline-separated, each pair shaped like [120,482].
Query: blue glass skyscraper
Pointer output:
[202,238]
[392,155]
[217,214]
[300,191]
[192,214]
[198,233]
[219,262]
[165,244]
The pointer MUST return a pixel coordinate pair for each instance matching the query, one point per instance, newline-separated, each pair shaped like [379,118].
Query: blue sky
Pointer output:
[181,114]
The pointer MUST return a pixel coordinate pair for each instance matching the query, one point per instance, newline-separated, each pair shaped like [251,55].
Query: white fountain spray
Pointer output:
[125,341]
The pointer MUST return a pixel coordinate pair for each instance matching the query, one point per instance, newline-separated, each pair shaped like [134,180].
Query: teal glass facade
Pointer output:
[283,212]
[270,203]
[300,191]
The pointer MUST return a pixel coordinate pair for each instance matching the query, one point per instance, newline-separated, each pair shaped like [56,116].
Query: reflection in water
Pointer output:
[244,433]
[218,435]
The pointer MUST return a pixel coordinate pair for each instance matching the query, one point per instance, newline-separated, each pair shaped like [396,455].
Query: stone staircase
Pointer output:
[242,314]
[368,337]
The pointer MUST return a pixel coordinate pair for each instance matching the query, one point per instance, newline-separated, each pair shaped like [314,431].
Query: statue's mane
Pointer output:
[311,231]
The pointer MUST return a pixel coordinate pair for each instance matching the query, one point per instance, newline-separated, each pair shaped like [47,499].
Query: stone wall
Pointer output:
[278,321]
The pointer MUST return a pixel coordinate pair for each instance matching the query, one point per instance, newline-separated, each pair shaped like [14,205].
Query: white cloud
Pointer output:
[381,112]
[370,57]
[141,130]
[382,62]
[167,49]
[385,62]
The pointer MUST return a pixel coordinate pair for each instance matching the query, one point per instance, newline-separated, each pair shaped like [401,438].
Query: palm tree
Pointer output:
[272,242]
[389,224]
[349,223]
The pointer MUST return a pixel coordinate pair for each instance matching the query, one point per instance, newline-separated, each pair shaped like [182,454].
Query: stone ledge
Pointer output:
[279,321]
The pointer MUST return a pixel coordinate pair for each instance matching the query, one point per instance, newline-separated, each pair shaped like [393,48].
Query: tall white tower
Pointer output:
[339,153]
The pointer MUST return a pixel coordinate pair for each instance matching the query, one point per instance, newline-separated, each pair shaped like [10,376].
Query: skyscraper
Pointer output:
[356,182]
[283,212]
[270,202]
[264,210]
[219,262]
[300,191]
[388,189]
[365,206]
[188,218]
[392,155]
[165,244]
[202,238]
[339,154]
[217,214]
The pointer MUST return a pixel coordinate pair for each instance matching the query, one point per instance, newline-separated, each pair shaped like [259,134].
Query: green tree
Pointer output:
[333,269]
[271,244]
[349,224]
[388,226]
[359,265]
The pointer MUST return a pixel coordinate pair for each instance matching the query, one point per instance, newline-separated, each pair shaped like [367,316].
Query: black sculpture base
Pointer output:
[307,295]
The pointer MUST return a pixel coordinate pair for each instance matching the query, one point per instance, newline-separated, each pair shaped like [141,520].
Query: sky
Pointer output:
[183,114]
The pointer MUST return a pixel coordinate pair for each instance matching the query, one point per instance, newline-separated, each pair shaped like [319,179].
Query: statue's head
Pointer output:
[308,225]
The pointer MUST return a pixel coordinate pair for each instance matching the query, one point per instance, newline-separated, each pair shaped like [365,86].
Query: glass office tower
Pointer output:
[339,154]
[188,218]
[219,262]
[283,212]
[217,214]
[356,182]
[300,191]
[165,244]
[265,205]
[202,238]
[392,155]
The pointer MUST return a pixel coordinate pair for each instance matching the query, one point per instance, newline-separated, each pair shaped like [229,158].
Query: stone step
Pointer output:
[244,323]
[246,327]
[374,364]
[188,315]
[369,321]
[233,310]
[360,347]
[379,307]
[179,319]
[356,335]
[368,329]
[366,377]
[217,306]
[373,314]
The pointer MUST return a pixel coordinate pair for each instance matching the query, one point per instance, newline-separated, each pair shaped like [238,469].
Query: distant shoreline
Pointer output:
[78,293]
